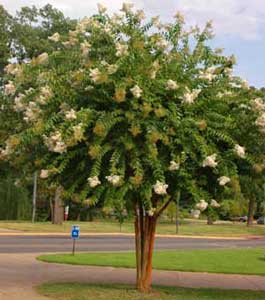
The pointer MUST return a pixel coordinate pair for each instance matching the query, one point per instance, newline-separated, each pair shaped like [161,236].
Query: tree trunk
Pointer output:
[58,207]
[145,226]
[209,220]
[251,205]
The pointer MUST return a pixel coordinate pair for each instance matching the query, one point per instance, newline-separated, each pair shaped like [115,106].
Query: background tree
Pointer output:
[125,110]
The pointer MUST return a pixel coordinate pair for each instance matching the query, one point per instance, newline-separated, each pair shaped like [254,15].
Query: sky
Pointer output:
[239,25]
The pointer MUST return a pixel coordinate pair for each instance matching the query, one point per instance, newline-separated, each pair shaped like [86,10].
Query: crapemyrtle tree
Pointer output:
[127,110]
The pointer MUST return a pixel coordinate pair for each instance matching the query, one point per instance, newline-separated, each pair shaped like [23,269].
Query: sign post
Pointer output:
[75,234]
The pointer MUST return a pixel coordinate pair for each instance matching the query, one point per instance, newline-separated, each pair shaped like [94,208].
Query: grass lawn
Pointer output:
[230,261]
[76,291]
[187,228]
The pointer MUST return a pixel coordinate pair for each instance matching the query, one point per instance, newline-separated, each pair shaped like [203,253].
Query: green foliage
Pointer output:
[124,111]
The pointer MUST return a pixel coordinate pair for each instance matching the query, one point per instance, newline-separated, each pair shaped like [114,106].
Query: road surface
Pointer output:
[39,244]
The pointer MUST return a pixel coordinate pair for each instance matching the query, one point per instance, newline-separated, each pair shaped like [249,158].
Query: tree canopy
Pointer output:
[131,110]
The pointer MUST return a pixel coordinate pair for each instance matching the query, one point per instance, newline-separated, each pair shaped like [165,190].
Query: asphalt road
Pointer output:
[39,244]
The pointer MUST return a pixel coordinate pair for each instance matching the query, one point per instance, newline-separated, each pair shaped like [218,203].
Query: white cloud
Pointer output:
[241,18]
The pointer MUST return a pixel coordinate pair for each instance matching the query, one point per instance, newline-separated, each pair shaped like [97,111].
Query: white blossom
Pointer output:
[114,179]
[151,211]
[245,84]
[111,69]
[44,174]
[202,205]
[223,180]
[261,122]
[13,69]
[173,166]
[240,151]
[258,104]
[93,181]
[215,204]
[140,15]
[55,143]
[9,88]
[189,97]
[210,161]
[160,188]
[156,22]
[43,58]
[18,104]
[70,115]
[85,48]
[162,43]
[121,49]
[208,74]
[195,213]
[136,91]
[127,7]
[95,75]
[171,85]
[32,112]
[55,37]
[102,8]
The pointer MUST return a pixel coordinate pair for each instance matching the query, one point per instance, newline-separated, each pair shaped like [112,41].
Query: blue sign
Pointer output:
[75,232]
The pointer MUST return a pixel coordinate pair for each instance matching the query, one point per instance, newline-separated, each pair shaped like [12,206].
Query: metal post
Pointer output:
[73,251]
[34,196]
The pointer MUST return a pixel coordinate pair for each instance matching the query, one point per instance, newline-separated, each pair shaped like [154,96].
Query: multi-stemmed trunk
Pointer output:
[145,226]
[251,208]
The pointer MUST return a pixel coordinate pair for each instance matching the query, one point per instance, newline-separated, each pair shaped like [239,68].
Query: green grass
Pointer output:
[76,291]
[188,228]
[230,261]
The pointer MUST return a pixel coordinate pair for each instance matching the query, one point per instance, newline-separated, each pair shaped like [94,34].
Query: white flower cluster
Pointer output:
[18,103]
[70,114]
[208,74]
[261,122]
[202,205]
[121,49]
[215,204]
[111,69]
[13,69]
[160,188]
[9,88]
[174,166]
[101,8]
[154,69]
[127,7]
[32,112]
[78,132]
[162,44]
[136,91]
[95,75]
[45,94]
[240,151]
[114,179]
[223,180]
[93,181]
[5,152]
[189,97]
[258,104]
[55,37]
[85,48]
[171,85]
[43,58]
[44,174]
[210,161]
[54,142]
[151,211]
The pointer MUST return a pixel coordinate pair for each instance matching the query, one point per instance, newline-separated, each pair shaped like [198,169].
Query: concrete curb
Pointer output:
[88,234]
